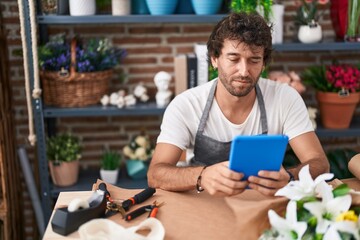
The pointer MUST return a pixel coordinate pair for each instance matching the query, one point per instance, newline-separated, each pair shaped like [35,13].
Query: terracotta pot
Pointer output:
[65,174]
[337,111]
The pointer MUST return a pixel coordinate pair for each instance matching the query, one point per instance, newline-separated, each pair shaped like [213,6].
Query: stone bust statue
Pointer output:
[163,96]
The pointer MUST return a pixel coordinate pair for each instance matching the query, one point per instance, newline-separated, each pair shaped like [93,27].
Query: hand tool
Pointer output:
[152,209]
[138,198]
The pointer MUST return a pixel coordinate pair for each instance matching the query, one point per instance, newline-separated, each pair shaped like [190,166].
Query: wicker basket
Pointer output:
[63,89]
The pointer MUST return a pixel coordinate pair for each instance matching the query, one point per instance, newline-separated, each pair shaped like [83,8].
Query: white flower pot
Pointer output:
[109,176]
[121,7]
[82,7]
[277,18]
[310,34]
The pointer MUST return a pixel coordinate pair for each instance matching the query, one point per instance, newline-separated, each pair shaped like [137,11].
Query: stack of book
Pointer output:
[191,69]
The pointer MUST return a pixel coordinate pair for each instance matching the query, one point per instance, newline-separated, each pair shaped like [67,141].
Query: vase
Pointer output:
[161,7]
[184,7]
[136,169]
[120,7]
[82,7]
[206,7]
[353,24]
[109,176]
[336,111]
[139,7]
[64,174]
[277,19]
[311,33]
[338,15]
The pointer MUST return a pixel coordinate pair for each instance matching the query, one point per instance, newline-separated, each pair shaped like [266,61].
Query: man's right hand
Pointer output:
[219,180]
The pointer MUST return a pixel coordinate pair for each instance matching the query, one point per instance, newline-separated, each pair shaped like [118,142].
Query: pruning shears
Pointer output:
[152,209]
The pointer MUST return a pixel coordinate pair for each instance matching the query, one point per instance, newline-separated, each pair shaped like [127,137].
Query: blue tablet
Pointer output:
[250,154]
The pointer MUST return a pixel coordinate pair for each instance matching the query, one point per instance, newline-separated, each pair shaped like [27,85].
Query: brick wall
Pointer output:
[151,48]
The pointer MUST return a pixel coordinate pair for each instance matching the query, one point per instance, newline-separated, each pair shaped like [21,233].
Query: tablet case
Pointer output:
[250,154]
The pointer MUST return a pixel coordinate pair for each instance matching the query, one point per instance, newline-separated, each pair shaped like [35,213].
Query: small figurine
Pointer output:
[163,95]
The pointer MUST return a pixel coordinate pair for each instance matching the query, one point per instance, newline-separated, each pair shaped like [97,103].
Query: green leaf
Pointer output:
[341,190]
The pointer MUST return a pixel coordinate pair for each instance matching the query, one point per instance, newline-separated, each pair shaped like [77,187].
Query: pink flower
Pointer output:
[343,76]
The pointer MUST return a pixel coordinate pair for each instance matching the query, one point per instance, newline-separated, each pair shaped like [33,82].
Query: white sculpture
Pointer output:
[162,80]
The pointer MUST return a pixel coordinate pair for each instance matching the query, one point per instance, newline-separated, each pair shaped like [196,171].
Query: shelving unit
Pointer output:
[43,112]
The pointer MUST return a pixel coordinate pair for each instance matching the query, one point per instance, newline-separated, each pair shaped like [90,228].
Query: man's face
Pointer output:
[239,66]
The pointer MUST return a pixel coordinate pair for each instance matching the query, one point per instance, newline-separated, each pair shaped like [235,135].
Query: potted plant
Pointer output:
[110,162]
[251,6]
[77,74]
[337,92]
[307,17]
[63,152]
[139,152]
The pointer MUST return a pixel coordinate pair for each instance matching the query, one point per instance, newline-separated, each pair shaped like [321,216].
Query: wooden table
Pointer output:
[189,215]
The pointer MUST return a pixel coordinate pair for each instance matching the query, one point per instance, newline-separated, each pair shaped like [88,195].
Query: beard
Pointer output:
[246,86]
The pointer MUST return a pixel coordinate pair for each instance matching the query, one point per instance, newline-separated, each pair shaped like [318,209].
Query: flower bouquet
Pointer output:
[139,152]
[76,74]
[315,211]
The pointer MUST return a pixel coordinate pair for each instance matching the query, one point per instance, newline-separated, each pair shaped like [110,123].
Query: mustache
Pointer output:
[242,79]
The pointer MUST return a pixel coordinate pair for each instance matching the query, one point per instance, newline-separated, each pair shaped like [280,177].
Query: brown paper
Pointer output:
[189,215]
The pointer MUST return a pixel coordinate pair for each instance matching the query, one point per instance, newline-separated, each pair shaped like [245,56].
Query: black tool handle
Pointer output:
[144,195]
[138,198]
[137,212]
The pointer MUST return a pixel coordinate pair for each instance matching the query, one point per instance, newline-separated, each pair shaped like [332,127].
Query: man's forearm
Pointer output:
[172,178]
[316,167]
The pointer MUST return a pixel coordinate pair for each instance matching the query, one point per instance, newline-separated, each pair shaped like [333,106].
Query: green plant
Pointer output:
[251,6]
[307,13]
[63,148]
[110,160]
[333,78]
[353,28]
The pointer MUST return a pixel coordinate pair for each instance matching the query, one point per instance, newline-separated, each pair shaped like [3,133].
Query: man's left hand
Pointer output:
[269,182]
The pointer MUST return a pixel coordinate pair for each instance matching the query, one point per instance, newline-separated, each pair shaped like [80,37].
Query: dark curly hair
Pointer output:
[250,29]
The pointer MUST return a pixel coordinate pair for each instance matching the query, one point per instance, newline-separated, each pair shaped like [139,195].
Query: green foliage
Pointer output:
[110,160]
[213,72]
[315,76]
[251,6]
[338,160]
[63,148]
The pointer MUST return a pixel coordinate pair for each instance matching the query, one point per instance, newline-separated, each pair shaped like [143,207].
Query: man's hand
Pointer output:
[269,182]
[219,180]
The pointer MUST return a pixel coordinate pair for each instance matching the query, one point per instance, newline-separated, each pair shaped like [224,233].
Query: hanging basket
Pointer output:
[63,89]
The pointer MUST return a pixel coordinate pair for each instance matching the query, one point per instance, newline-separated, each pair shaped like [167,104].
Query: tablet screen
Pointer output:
[250,154]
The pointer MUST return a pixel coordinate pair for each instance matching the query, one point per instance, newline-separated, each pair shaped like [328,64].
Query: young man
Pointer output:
[205,119]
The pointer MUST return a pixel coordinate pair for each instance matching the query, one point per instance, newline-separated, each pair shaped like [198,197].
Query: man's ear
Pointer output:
[214,62]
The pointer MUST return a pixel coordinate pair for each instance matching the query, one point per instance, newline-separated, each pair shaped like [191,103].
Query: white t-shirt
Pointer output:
[285,110]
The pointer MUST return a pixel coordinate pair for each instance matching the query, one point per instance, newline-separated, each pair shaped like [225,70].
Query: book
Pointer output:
[202,63]
[191,70]
[180,69]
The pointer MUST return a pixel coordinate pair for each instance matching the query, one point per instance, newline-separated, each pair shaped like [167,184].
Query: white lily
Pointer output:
[287,227]
[329,207]
[344,226]
[304,187]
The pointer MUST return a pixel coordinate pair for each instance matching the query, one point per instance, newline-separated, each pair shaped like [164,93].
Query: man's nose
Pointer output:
[243,68]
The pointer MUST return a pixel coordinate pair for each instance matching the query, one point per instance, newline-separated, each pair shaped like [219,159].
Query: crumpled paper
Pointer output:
[104,229]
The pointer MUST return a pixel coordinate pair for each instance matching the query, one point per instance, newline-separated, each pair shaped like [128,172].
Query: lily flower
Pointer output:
[328,209]
[344,226]
[305,186]
[288,228]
